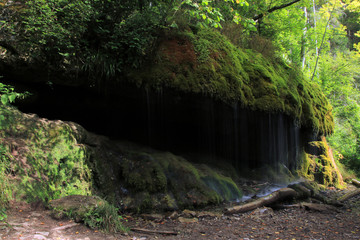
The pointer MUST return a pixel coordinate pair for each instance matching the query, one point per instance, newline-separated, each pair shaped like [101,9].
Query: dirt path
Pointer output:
[29,223]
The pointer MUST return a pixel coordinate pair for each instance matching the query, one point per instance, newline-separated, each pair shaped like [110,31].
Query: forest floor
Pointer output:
[32,223]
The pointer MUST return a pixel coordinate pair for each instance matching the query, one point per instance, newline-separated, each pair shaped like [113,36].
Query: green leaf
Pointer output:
[4,99]
[12,97]
[174,25]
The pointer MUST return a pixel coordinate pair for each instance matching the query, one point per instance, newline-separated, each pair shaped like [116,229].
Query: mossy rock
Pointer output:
[74,206]
[156,181]
[205,62]
[319,167]
[48,158]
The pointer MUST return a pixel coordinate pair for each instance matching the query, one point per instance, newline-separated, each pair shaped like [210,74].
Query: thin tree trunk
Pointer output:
[303,41]
[314,17]
[322,42]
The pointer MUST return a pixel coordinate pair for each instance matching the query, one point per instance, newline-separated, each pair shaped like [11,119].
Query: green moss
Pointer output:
[92,210]
[320,168]
[205,62]
[163,181]
[142,173]
[223,186]
[46,157]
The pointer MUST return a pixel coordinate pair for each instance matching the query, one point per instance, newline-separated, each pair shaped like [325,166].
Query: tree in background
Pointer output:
[323,39]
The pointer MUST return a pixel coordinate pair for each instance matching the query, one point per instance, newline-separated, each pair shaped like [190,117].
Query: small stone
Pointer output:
[208,215]
[188,220]
[35,214]
[38,237]
[43,233]
[152,217]
[188,213]
[173,215]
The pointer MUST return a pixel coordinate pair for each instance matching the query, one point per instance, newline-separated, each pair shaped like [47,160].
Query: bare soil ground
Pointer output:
[32,223]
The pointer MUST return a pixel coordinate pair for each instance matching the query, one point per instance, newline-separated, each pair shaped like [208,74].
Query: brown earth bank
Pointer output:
[292,221]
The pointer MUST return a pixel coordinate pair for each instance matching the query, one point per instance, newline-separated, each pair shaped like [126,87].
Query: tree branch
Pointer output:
[275,8]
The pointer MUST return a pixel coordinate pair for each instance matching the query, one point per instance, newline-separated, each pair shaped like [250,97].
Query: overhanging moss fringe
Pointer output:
[205,62]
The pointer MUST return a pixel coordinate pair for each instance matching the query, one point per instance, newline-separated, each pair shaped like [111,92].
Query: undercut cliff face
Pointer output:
[198,96]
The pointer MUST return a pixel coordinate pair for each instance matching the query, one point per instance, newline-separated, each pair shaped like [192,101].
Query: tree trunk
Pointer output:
[279,195]
[303,41]
[322,41]
[314,17]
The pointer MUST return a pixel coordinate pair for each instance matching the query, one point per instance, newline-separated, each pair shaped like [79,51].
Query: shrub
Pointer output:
[105,217]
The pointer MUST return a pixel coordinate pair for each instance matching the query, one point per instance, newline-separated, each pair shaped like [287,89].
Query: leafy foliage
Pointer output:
[339,77]
[105,217]
[5,190]
[53,29]
[7,95]
[102,38]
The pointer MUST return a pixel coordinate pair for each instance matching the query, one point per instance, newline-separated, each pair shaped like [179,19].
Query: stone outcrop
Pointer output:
[200,97]
[53,159]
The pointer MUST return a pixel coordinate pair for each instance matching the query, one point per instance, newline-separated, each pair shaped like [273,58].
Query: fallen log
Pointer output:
[356,183]
[313,207]
[306,190]
[142,230]
[349,195]
[318,207]
[302,191]
[276,196]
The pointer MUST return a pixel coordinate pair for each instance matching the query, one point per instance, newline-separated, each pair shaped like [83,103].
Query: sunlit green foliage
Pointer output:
[8,95]
[5,190]
[320,38]
[339,77]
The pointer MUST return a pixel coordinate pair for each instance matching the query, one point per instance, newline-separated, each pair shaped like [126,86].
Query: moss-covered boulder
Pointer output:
[45,159]
[203,61]
[143,179]
[319,165]
[74,206]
